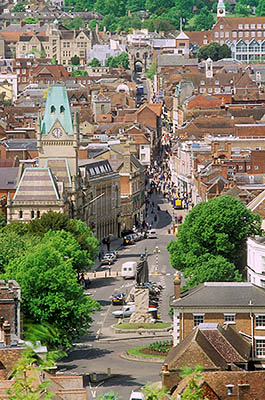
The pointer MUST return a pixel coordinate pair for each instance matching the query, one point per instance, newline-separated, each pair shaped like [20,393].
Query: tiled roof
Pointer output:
[60,169]
[235,21]
[167,60]
[37,184]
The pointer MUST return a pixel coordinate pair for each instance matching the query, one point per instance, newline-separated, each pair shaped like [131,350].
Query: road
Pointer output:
[98,354]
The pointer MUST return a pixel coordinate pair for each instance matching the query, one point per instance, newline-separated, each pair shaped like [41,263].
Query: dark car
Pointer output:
[118,298]
[126,232]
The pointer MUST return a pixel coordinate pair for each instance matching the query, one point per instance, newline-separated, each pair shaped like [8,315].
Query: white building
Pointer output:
[256,260]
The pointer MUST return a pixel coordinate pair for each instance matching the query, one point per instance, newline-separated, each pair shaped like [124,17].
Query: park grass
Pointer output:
[135,351]
[157,325]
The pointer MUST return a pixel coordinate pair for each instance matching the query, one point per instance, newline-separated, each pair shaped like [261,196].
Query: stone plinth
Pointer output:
[141,299]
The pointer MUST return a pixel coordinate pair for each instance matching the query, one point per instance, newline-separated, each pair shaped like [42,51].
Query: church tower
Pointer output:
[220,9]
[58,135]
[209,68]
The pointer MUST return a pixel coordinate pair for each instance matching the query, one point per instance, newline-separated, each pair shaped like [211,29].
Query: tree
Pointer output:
[114,62]
[57,222]
[19,7]
[94,62]
[204,20]
[51,293]
[79,72]
[2,220]
[75,23]
[30,20]
[75,60]
[109,396]
[154,392]
[54,61]
[150,73]
[215,51]
[219,227]
[241,9]
[260,10]
[193,390]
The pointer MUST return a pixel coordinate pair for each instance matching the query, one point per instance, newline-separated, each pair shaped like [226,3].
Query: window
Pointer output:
[198,319]
[217,90]
[253,26]
[246,26]
[258,26]
[202,83]
[202,90]
[229,318]
[216,34]
[248,167]
[259,33]
[240,26]
[234,34]
[227,34]
[240,167]
[246,34]
[260,347]
[240,34]
[256,167]
[38,214]
[210,90]
[230,390]
[260,321]
[252,34]
[20,214]
[221,34]
[221,26]
[32,214]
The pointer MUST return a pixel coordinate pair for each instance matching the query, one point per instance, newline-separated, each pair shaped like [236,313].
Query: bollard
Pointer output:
[117,273]
[95,274]
[105,274]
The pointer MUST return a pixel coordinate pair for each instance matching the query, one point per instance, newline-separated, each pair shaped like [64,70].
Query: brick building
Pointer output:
[238,303]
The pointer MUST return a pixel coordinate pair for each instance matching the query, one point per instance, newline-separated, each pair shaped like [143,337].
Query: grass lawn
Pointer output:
[135,351]
[158,325]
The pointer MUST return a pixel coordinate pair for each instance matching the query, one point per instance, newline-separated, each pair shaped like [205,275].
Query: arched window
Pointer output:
[52,109]
[62,109]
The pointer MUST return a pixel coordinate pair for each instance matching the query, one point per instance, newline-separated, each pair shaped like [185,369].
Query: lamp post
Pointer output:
[156,252]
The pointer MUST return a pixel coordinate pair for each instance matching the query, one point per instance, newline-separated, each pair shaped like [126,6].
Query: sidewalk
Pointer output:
[114,245]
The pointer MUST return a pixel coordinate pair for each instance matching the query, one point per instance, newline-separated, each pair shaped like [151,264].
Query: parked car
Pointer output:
[108,259]
[126,311]
[113,253]
[136,396]
[118,298]
[136,237]
[128,240]
[151,234]
[126,232]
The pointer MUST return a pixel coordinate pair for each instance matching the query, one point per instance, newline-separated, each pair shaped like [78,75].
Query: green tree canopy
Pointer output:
[114,62]
[79,72]
[75,23]
[203,21]
[75,60]
[260,10]
[241,9]
[215,51]
[212,233]
[19,7]
[50,291]
[94,62]
[30,20]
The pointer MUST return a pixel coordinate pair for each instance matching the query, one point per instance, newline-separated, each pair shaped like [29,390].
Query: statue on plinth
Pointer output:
[142,274]
[141,293]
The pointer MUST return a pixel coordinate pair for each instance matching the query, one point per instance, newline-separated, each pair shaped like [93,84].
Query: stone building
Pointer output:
[57,42]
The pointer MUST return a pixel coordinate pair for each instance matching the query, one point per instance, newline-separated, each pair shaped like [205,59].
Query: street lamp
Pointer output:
[156,252]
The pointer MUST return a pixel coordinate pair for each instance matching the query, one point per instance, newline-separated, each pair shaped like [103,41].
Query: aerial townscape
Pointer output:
[132,199]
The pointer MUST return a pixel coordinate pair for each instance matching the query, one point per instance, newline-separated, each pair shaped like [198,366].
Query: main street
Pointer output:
[99,351]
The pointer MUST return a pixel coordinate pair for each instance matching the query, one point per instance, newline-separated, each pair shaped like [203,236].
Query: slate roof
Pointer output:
[37,184]
[20,144]
[8,178]
[221,294]
[168,60]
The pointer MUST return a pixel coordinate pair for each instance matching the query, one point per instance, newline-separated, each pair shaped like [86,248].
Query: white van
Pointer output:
[128,269]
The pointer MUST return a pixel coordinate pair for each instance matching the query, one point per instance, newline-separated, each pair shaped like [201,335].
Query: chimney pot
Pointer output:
[7,333]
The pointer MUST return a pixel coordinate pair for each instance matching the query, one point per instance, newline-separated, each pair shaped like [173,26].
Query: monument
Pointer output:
[141,294]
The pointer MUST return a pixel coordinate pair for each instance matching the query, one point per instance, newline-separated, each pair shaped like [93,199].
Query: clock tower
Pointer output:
[220,9]
[58,135]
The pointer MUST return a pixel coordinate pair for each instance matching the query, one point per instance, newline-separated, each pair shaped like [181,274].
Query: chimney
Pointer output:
[7,333]
[177,283]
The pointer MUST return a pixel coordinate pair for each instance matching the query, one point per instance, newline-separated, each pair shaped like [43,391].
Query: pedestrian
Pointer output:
[108,243]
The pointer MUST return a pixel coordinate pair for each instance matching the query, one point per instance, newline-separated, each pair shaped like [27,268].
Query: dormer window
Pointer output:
[62,110]
[230,390]
[52,109]
[202,83]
